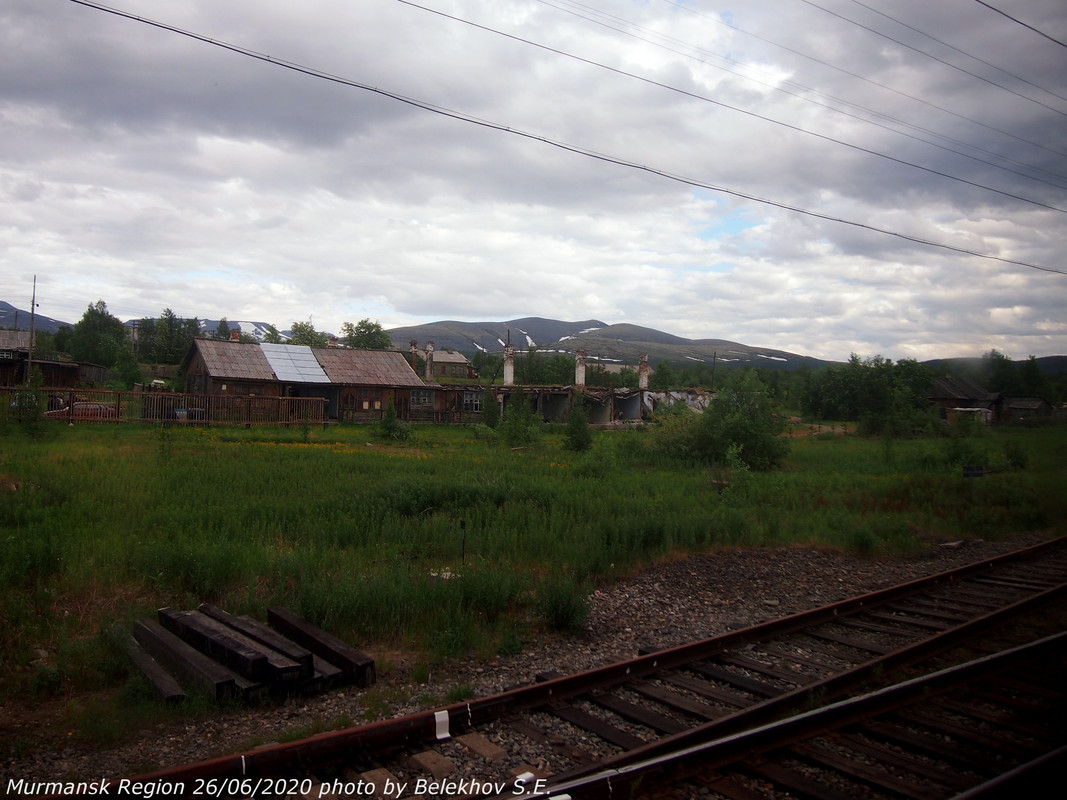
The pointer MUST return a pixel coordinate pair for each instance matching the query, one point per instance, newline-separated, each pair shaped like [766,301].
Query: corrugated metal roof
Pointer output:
[950,387]
[234,360]
[14,340]
[295,363]
[267,362]
[370,367]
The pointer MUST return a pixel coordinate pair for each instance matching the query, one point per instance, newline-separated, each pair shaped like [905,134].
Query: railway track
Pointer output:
[990,727]
[623,718]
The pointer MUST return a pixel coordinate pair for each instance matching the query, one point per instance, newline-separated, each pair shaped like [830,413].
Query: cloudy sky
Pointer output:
[827,177]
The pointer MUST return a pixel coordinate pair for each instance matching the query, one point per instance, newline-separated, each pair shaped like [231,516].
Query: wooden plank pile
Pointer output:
[230,657]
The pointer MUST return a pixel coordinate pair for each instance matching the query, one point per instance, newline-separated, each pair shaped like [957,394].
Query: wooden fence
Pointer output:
[96,405]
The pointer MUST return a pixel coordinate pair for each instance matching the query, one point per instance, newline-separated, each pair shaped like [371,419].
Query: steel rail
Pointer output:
[440,724]
[831,688]
[714,755]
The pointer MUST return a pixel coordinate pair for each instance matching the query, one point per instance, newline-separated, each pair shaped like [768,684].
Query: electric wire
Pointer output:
[958,50]
[746,112]
[576,149]
[1020,22]
[889,123]
[886,87]
[948,64]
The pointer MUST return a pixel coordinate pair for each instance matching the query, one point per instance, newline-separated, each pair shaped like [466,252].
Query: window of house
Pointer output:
[368,399]
[421,397]
[472,401]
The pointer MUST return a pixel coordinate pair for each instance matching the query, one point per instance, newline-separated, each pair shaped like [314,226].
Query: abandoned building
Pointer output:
[959,397]
[357,385]
[447,363]
[15,364]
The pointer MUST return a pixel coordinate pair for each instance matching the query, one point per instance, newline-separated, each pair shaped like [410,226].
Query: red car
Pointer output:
[83,410]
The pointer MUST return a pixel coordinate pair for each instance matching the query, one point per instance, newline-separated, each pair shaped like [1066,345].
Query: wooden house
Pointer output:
[15,356]
[1014,409]
[356,384]
[14,352]
[446,364]
[960,395]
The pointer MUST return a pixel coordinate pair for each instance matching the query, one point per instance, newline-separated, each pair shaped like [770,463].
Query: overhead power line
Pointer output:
[948,64]
[746,112]
[815,59]
[577,149]
[797,91]
[903,24]
[1020,22]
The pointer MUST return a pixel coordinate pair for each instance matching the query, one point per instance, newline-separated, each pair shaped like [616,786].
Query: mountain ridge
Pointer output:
[619,343]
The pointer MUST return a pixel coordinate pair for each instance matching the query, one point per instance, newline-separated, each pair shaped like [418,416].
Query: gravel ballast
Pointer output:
[665,604]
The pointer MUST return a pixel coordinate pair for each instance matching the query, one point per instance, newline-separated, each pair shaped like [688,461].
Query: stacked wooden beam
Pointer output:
[231,657]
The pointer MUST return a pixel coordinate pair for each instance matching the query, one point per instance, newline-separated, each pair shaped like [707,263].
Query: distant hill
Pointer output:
[18,319]
[622,343]
[257,330]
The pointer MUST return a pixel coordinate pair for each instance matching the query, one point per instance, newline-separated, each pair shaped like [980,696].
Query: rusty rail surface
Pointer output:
[765,752]
[927,615]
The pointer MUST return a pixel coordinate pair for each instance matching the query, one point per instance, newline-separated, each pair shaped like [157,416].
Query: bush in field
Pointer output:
[561,604]
[739,424]
[391,427]
[490,410]
[741,420]
[520,427]
[578,437]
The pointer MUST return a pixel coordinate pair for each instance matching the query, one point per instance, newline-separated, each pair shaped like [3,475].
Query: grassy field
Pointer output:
[450,542]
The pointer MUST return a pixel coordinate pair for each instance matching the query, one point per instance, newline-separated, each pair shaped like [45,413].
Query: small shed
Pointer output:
[14,351]
[1017,408]
[953,394]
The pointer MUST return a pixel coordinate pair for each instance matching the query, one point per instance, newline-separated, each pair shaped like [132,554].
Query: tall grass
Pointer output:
[448,541]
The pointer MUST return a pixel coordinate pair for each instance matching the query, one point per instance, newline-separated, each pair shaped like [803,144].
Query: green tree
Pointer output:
[173,337]
[534,368]
[272,336]
[740,424]
[577,436]
[662,377]
[490,409]
[596,375]
[63,338]
[875,392]
[98,337]
[365,335]
[1000,373]
[304,333]
[128,368]
[222,330]
[521,426]
[1032,380]
[391,426]
[488,367]
[145,341]
[742,419]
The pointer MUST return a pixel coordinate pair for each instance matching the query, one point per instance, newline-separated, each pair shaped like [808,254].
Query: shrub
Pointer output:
[578,437]
[520,427]
[391,427]
[741,419]
[561,604]
[490,410]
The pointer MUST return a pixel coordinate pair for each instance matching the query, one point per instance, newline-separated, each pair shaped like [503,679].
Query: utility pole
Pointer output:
[33,308]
